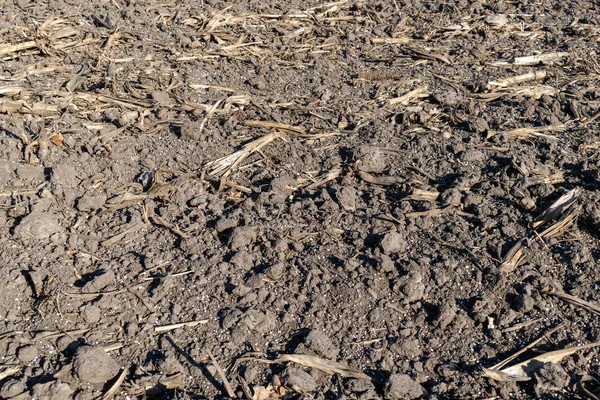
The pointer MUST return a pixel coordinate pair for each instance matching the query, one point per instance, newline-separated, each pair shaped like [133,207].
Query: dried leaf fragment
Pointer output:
[327,366]
[558,207]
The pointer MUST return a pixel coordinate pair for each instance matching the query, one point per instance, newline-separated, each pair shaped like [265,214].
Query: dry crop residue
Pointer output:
[286,199]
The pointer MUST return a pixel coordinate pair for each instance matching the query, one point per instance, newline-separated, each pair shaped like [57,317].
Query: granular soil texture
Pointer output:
[285,199]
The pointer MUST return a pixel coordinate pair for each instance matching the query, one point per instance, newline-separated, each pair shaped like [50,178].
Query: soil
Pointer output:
[190,190]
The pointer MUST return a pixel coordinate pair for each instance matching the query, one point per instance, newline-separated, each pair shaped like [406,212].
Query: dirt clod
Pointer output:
[162,98]
[54,390]
[402,387]
[90,203]
[27,353]
[550,378]
[321,344]
[12,387]
[299,380]
[393,242]
[38,226]
[242,237]
[94,365]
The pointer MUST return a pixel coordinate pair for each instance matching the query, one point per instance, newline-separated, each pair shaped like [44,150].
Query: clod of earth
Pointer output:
[94,365]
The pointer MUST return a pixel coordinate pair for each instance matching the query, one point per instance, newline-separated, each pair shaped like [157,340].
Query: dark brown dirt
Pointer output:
[370,227]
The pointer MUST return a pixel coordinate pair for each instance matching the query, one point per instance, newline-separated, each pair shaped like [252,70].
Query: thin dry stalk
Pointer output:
[524,349]
[422,195]
[413,95]
[547,58]
[535,91]
[513,80]
[56,334]
[397,40]
[562,204]
[524,370]
[324,178]
[189,324]
[553,179]
[276,125]
[521,325]
[13,48]
[222,375]
[578,302]
[327,366]
[10,371]
[513,258]
[117,238]
[10,90]
[224,165]
[22,192]
[592,146]
[529,133]
[115,386]
[380,180]
[562,224]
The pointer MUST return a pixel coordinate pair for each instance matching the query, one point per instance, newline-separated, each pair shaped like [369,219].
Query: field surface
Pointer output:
[299,200]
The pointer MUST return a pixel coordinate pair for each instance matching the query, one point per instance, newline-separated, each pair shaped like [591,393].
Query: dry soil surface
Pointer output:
[291,199]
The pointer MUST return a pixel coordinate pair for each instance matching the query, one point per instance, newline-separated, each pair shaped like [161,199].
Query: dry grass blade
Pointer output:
[223,166]
[9,371]
[56,334]
[561,225]
[522,325]
[540,58]
[115,386]
[578,302]
[397,40]
[592,146]
[558,207]
[13,48]
[435,212]
[117,238]
[513,258]
[524,349]
[380,180]
[535,91]
[426,55]
[10,90]
[523,370]
[22,192]
[327,366]
[125,198]
[528,77]
[276,125]
[529,133]
[422,195]
[222,375]
[495,373]
[413,95]
[324,178]
[557,177]
[189,324]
